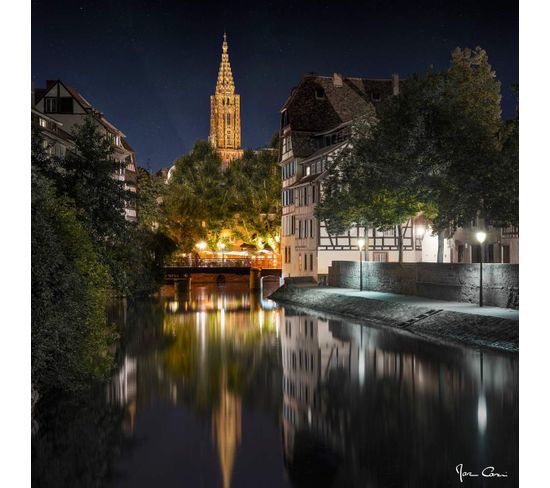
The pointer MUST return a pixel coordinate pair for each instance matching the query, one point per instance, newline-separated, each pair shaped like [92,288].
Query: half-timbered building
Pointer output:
[315,126]
[58,108]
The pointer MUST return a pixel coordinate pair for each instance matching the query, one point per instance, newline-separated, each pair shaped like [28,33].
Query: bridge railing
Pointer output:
[273,262]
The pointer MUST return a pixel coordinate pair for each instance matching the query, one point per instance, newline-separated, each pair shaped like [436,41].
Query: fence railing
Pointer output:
[273,262]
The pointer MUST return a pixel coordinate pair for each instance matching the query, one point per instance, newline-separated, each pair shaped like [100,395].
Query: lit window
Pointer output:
[42,122]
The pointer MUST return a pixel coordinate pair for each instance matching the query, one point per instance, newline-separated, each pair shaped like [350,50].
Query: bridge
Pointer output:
[221,273]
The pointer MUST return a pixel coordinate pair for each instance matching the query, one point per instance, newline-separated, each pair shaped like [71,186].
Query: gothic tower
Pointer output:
[225,113]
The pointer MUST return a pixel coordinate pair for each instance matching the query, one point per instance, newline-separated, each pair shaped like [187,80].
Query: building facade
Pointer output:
[58,108]
[315,127]
[225,112]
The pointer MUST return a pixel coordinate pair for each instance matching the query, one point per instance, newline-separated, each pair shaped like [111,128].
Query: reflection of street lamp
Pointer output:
[221,245]
[361,243]
[480,236]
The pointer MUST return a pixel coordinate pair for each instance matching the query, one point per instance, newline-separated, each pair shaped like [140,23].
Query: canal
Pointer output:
[220,387]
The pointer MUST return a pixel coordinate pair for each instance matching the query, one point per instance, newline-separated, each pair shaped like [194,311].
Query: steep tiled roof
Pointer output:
[323,103]
[318,103]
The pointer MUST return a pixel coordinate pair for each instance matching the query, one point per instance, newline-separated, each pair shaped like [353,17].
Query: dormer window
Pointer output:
[319,93]
[284,118]
[50,105]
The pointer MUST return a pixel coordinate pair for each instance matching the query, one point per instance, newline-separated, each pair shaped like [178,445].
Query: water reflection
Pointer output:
[220,387]
[364,406]
[217,349]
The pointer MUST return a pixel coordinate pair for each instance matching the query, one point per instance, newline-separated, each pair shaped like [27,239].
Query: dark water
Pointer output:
[221,388]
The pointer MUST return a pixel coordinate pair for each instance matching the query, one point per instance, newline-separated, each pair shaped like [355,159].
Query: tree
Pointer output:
[254,207]
[196,197]
[439,147]
[70,337]
[205,203]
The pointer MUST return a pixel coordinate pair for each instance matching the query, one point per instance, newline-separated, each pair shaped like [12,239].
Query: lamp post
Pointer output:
[420,231]
[201,246]
[480,236]
[221,245]
[361,243]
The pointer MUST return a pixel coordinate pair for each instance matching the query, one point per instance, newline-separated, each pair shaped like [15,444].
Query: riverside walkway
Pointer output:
[432,303]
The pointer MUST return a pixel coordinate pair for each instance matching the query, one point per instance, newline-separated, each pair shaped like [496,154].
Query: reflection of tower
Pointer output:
[226,429]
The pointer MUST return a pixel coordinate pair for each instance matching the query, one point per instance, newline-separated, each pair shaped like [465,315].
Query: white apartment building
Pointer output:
[58,108]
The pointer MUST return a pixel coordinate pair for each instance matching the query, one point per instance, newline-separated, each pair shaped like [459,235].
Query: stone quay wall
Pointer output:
[445,281]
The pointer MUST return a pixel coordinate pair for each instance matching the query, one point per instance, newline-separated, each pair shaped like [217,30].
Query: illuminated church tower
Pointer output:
[225,113]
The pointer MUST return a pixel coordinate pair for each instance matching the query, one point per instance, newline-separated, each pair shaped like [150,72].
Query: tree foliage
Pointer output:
[439,147]
[70,337]
[203,202]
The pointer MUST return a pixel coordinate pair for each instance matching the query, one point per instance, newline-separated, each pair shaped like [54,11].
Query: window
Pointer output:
[308,170]
[506,254]
[228,119]
[42,122]
[299,262]
[50,105]
[311,262]
[319,93]
[461,253]
[311,228]
[66,105]
[300,232]
[287,144]
[380,257]
[284,119]
[314,194]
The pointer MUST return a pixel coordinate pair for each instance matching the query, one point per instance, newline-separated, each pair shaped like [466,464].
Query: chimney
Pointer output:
[395,83]
[337,80]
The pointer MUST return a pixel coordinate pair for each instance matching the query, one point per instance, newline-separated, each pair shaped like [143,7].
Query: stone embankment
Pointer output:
[431,321]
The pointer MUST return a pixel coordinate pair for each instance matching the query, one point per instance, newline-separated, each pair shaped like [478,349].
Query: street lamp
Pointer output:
[361,244]
[420,231]
[221,245]
[480,236]
[201,245]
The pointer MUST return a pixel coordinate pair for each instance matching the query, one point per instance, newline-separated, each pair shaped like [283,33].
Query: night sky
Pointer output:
[151,65]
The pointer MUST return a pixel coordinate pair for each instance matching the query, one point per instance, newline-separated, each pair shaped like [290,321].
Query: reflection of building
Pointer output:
[58,109]
[225,113]
[309,353]
[364,404]
[122,391]
[226,429]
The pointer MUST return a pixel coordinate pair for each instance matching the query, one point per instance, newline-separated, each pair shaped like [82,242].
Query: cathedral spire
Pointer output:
[225,112]
[225,82]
